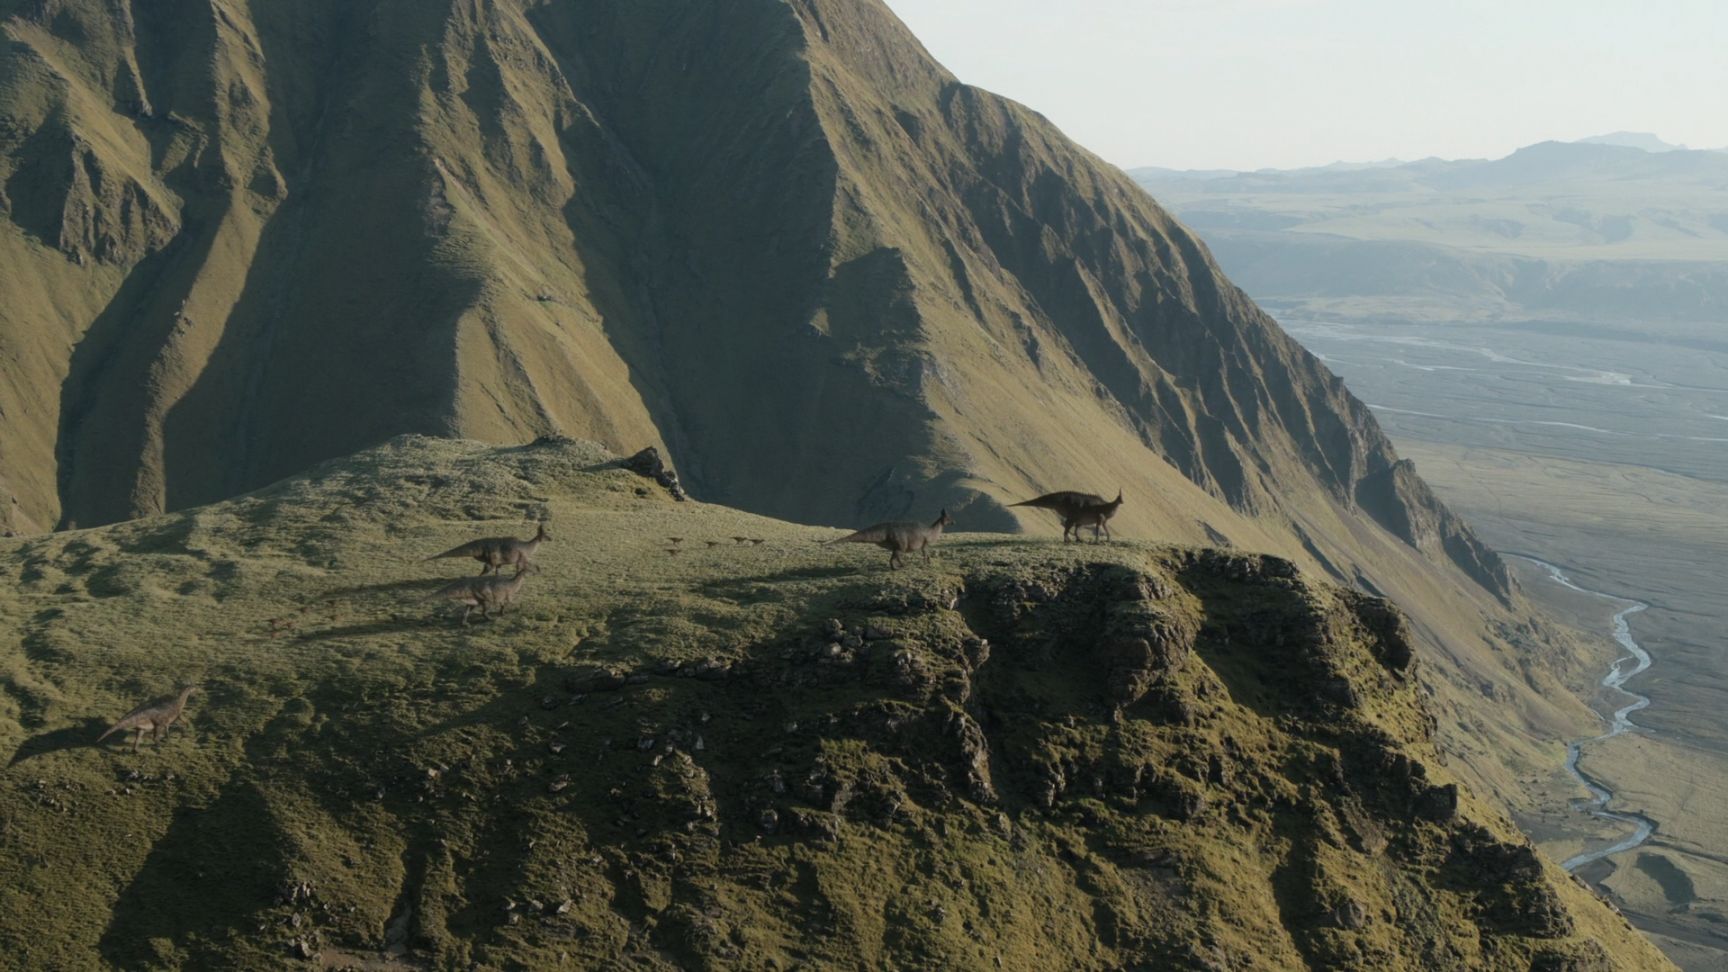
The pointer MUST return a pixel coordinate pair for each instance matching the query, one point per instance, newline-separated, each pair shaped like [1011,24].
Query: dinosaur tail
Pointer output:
[862,536]
[1057,503]
[111,731]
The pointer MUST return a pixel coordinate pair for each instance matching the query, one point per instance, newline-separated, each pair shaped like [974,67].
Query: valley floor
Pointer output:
[1603,455]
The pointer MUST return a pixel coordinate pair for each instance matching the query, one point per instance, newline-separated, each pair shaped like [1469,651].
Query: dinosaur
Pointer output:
[154,717]
[483,592]
[497,552]
[899,537]
[1079,510]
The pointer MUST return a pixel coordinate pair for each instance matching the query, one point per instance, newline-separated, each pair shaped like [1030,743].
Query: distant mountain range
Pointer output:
[1646,142]
[1638,140]
[1619,156]
[1616,227]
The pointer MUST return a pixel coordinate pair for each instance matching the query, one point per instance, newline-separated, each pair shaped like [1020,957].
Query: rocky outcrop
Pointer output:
[66,194]
[1401,502]
[1111,756]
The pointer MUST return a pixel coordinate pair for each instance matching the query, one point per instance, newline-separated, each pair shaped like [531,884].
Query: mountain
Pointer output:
[239,248]
[1599,233]
[1025,755]
[1638,140]
[1586,165]
[778,241]
[835,284]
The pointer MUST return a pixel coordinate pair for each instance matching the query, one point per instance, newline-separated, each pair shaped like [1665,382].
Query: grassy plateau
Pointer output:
[686,750]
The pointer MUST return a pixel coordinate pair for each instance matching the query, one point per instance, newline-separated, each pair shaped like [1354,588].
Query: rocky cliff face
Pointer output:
[1023,756]
[776,238]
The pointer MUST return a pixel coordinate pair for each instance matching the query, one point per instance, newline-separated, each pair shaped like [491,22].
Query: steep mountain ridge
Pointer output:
[307,229]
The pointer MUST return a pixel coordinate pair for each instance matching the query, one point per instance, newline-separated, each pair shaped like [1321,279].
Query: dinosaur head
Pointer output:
[187,688]
[541,534]
[944,519]
[1118,500]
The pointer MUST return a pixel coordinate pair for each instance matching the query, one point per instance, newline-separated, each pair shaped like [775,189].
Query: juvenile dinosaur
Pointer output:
[1079,510]
[497,552]
[899,537]
[153,717]
[483,592]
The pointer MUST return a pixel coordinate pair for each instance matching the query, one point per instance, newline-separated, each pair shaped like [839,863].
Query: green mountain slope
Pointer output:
[778,239]
[833,282]
[1025,755]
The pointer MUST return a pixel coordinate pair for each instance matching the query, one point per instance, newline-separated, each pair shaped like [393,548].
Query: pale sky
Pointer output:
[1244,84]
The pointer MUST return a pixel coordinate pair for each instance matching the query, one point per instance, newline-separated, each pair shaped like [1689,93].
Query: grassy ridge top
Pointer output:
[734,756]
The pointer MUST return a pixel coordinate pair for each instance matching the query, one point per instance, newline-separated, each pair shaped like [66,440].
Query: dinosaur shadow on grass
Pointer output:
[379,626]
[66,737]
[833,572]
[205,880]
[411,584]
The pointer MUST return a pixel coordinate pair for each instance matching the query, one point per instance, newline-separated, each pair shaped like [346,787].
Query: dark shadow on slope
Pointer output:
[732,585]
[41,181]
[1296,887]
[1259,634]
[303,373]
[707,258]
[218,867]
[104,400]
[367,629]
[105,416]
[413,584]
[66,737]
[202,884]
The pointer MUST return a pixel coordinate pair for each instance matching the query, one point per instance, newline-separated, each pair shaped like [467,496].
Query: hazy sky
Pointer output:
[1251,83]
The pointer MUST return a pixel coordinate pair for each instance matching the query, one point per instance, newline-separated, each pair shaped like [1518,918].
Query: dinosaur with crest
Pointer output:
[495,553]
[900,537]
[1078,510]
[483,593]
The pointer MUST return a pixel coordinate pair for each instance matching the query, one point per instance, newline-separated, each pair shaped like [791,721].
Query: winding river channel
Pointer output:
[1618,674]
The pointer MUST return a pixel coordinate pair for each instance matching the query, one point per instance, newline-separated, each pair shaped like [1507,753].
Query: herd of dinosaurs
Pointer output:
[491,591]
